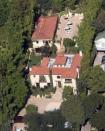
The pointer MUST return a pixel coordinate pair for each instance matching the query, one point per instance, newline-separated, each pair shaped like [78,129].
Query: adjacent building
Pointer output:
[100,42]
[100,50]
[44,31]
[61,71]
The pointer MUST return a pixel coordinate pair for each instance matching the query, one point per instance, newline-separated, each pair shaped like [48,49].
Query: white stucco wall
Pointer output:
[62,80]
[55,80]
[36,79]
[40,43]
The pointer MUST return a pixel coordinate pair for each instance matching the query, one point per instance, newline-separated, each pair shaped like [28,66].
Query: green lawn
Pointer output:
[35,60]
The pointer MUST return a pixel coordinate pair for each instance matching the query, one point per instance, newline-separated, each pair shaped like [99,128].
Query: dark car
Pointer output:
[103,60]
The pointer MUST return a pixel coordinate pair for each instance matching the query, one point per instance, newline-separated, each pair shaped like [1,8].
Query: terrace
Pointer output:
[68,26]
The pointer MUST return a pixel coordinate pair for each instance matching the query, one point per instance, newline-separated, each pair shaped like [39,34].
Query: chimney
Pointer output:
[30,69]
[80,53]
[77,69]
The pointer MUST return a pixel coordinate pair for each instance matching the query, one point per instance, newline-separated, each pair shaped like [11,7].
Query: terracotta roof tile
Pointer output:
[39,70]
[68,72]
[60,59]
[46,27]
[45,61]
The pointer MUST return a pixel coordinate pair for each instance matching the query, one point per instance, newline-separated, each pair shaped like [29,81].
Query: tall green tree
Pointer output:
[14,35]
[73,111]
[94,79]
[92,104]
[98,119]
[4,11]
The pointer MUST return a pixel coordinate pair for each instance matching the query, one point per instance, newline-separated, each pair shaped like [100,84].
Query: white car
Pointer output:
[67,28]
[69,23]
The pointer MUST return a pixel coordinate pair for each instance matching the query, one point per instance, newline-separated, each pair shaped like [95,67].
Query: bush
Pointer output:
[70,46]
[69,42]
[43,92]
[53,50]
[67,92]
[31,109]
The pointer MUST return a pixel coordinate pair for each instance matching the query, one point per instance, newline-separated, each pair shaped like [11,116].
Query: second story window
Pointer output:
[37,84]
[68,80]
[58,77]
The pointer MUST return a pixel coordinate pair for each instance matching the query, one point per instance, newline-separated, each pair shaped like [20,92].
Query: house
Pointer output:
[100,42]
[61,71]
[19,124]
[40,76]
[44,31]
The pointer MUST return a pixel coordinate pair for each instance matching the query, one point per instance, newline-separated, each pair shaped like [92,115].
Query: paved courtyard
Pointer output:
[68,26]
[45,104]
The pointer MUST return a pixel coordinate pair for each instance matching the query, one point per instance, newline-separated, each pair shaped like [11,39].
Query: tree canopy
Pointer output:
[72,110]
[16,21]
[94,79]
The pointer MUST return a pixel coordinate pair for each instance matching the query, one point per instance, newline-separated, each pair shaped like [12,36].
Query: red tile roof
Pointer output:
[45,61]
[39,70]
[76,61]
[46,27]
[68,72]
[64,72]
[60,59]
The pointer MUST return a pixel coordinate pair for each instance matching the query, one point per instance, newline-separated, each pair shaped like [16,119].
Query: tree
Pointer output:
[99,22]
[69,42]
[53,50]
[72,110]
[31,109]
[98,119]
[13,58]
[69,45]
[67,92]
[86,32]
[50,121]
[92,104]
[32,121]
[94,79]
[4,11]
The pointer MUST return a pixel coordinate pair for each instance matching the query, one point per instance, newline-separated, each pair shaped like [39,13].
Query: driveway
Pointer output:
[87,127]
[45,104]
[98,58]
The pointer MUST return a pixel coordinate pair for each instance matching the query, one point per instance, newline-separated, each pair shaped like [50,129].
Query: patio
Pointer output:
[45,104]
[68,26]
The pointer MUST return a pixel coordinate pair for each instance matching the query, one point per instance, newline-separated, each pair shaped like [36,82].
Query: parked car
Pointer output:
[67,28]
[69,23]
[103,60]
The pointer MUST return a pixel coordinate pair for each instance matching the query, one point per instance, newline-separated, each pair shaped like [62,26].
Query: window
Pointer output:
[48,84]
[68,80]
[37,42]
[33,75]
[37,84]
[58,77]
